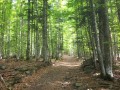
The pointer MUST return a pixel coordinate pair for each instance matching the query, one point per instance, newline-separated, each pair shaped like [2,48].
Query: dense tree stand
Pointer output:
[45,31]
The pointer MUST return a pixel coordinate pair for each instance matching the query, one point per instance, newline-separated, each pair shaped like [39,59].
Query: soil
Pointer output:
[65,74]
[56,76]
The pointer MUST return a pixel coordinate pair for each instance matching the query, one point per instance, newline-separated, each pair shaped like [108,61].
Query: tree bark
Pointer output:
[94,27]
[28,34]
[37,49]
[44,34]
[104,28]
[118,8]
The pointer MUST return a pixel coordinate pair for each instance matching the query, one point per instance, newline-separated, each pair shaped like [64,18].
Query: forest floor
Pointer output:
[65,74]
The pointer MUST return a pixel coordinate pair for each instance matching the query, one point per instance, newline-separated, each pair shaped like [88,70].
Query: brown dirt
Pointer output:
[62,75]
[67,75]
[54,78]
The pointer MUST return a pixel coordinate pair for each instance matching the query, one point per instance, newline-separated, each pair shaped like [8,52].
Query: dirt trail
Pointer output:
[56,76]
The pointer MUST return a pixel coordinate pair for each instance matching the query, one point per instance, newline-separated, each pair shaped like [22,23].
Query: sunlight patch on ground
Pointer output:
[96,74]
[67,64]
[56,83]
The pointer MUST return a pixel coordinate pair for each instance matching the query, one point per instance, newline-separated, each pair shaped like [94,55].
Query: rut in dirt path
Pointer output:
[55,78]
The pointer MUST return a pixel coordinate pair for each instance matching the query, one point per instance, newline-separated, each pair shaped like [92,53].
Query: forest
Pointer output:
[59,44]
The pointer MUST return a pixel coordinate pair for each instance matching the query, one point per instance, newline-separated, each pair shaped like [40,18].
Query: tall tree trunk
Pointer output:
[28,34]
[118,8]
[2,34]
[44,34]
[94,28]
[8,43]
[37,49]
[78,43]
[114,35]
[106,39]
[118,12]
[92,43]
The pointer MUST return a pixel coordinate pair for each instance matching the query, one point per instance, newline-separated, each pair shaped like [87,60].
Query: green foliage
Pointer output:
[68,22]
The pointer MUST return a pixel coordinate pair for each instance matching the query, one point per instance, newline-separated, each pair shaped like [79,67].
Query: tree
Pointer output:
[94,30]
[28,34]
[44,34]
[106,40]
[118,9]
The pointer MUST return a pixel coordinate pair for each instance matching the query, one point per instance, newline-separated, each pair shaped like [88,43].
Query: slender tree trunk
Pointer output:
[37,42]
[44,34]
[37,49]
[3,32]
[51,40]
[78,43]
[94,27]
[21,38]
[118,12]
[2,36]
[92,42]
[114,35]
[32,29]
[8,44]
[28,34]
[118,8]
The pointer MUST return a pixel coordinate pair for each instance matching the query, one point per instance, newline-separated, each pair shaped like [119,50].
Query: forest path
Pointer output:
[56,77]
